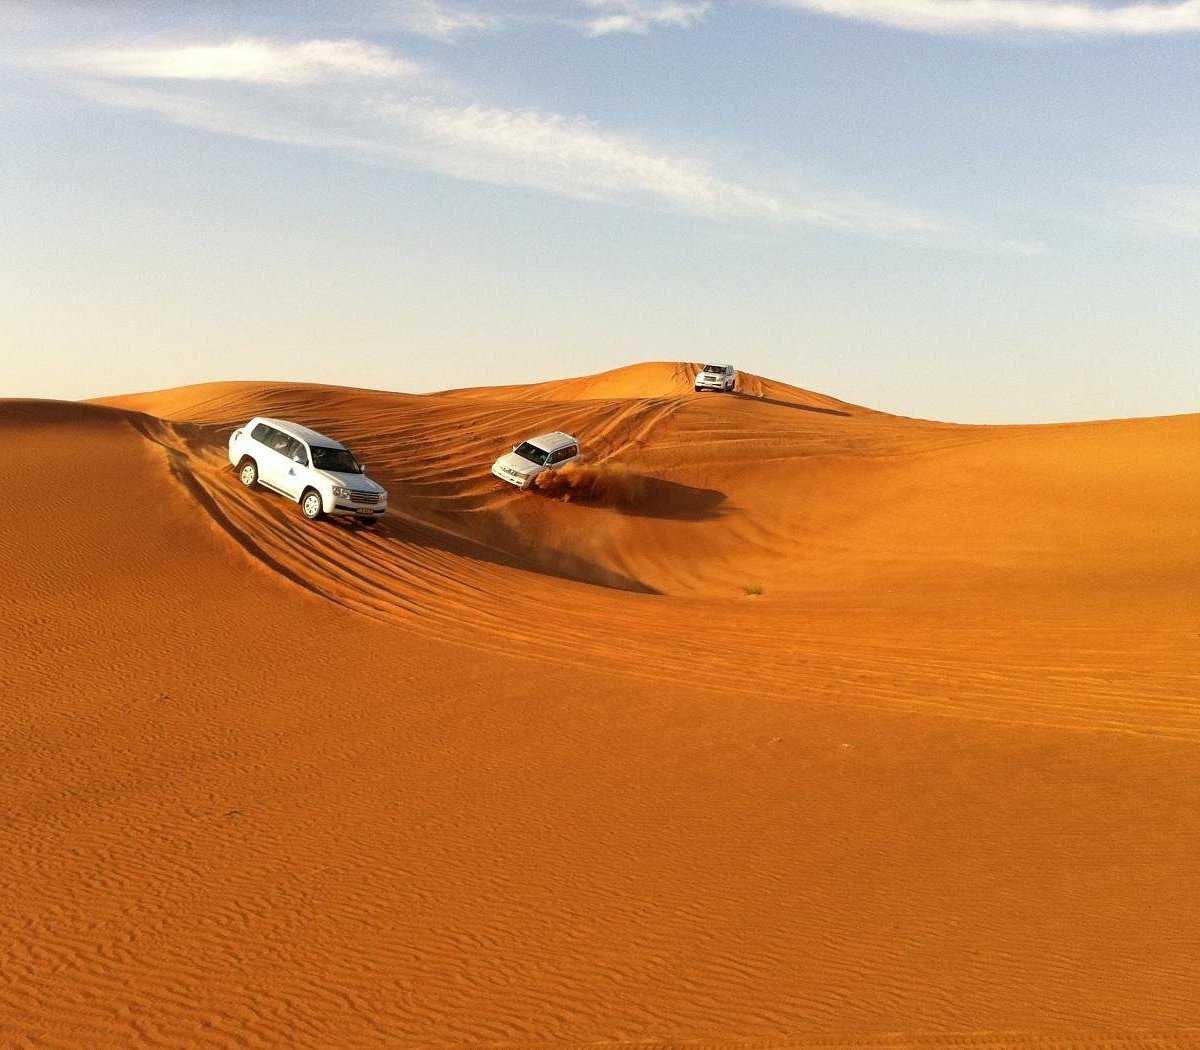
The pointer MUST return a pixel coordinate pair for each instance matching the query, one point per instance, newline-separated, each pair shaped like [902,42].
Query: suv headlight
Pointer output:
[340,492]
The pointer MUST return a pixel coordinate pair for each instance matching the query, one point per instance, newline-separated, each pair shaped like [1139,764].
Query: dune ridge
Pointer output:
[829,728]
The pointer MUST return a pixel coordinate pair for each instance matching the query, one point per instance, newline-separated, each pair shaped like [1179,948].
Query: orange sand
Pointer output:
[781,723]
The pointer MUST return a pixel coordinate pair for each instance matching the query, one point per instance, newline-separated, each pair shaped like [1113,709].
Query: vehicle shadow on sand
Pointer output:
[819,409]
[630,493]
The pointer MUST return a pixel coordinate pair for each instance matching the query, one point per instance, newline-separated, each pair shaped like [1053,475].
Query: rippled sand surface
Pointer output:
[779,722]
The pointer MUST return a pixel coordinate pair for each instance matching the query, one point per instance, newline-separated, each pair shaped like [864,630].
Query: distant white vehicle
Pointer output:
[315,471]
[716,377]
[530,458]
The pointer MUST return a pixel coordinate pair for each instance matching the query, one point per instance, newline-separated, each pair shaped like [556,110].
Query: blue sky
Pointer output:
[972,210]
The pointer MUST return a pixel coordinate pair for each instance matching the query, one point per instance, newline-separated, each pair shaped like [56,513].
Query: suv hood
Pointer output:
[352,481]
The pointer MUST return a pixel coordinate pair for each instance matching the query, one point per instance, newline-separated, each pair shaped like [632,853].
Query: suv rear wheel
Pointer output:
[310,504]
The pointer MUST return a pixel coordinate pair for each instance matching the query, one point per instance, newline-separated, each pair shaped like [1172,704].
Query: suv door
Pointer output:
[295,470]
[559,457]
[276,467]
[270,462]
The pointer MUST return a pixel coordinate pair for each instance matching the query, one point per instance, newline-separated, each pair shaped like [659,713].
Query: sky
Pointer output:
[981,211]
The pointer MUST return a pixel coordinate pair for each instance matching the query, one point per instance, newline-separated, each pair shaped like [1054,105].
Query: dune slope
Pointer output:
[780,722]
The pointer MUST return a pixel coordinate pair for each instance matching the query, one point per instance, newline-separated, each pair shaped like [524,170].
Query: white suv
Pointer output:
[716,377]
[530,458]
[317,472]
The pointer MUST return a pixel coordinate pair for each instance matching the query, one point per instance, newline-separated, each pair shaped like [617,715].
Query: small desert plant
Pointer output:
[754,589]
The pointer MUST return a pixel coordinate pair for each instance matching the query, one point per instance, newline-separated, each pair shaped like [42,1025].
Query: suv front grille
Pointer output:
[359,496]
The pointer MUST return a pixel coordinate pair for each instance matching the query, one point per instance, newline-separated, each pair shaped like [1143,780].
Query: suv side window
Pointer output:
[261,432]
[279,442]
[561,454]
[296,452]
[570,452]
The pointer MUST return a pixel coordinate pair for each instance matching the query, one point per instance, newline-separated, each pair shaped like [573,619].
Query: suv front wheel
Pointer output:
[310,504]
[248,473]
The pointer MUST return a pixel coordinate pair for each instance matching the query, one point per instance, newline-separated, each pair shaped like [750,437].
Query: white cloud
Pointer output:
[551,150]
[640,16]
[998,16]
[447,20]
[246,60]
[365,101]
[1166,209]
[444,21]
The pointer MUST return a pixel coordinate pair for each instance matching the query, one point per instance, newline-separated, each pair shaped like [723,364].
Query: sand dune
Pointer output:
[778,722]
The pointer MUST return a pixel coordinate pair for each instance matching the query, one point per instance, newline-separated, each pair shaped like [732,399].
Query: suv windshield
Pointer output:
[532,453]
[339,460]
[713,368]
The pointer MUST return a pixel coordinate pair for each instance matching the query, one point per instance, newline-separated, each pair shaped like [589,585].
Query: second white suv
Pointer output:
[317,472]
[530,458]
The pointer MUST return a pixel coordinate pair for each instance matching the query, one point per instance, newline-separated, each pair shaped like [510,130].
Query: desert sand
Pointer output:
[781,722]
